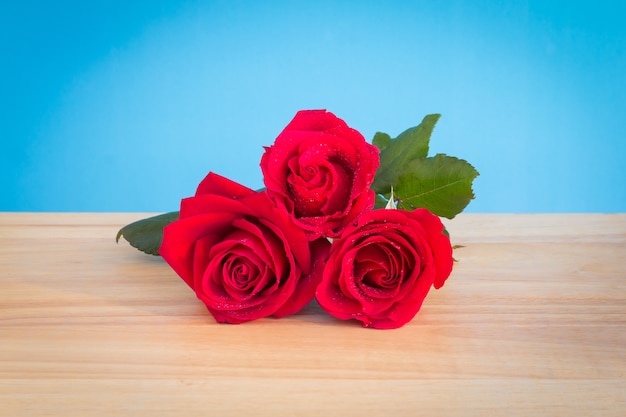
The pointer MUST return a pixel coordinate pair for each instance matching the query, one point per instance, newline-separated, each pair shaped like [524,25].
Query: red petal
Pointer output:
[305,290]
[216,184]
[440,244]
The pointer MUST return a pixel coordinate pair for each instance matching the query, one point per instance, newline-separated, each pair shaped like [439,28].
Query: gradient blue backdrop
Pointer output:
[126,105]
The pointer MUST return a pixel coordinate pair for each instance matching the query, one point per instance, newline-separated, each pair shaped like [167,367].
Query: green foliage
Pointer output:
[147,234]
[399,152]
[381,140]
[442,184]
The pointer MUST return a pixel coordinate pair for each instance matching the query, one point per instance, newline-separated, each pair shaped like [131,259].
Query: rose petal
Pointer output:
[335,301]
[305,290]
[180,236]
[215,184]
[439,242]
[264,244]
[201,257]
[211,203]
[389,261]
[319,170]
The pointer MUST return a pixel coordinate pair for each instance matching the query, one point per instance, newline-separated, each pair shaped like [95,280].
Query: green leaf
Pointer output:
[442,184]
[147,234]
[398,153]
[381,140]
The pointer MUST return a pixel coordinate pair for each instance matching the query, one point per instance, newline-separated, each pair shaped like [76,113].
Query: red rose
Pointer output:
[381,268]
[320,171]
[244,258]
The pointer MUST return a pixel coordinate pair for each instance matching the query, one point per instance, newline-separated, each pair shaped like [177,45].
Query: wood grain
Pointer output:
[532,322]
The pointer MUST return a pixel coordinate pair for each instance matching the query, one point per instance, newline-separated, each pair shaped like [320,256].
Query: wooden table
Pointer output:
[532,322]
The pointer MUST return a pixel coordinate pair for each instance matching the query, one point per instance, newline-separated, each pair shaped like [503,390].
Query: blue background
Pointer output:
[125,106]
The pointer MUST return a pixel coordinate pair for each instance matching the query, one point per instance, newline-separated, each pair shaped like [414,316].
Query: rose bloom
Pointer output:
[244,258]
[320,171]
[381,268]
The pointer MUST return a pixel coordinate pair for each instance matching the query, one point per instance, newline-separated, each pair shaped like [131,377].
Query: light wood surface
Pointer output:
[532,322]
